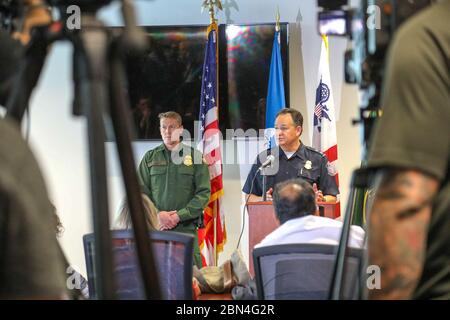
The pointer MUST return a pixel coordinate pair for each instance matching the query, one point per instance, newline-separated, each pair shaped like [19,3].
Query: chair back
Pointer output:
[303,271]
[173,254]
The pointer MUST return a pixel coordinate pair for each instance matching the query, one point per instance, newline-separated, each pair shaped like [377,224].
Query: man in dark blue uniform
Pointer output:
[292,160]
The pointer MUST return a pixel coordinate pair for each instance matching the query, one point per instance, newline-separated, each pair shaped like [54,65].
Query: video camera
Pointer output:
[9,10]
[371,28]
[12,11]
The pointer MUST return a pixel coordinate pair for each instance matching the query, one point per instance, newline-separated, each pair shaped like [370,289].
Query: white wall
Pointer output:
[59,140]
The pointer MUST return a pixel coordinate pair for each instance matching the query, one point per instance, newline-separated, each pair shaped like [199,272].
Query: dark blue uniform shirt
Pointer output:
[305,163]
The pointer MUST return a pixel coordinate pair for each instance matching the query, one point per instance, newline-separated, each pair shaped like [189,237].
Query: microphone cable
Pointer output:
[243,210]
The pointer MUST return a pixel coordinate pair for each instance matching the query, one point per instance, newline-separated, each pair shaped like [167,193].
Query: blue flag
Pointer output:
[275,91]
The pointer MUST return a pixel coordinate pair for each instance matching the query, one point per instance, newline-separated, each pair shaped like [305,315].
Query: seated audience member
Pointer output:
[217,279]
[123,221]
[295,206]
[30,262]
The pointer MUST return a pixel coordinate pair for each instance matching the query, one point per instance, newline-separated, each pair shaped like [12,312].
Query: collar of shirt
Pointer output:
[311,222]
[312,229]
[168,153]
[300,153]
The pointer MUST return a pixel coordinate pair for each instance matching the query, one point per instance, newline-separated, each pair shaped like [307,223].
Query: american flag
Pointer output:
[213,236]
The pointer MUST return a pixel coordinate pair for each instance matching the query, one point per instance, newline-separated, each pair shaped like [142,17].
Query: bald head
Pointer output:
[292,199]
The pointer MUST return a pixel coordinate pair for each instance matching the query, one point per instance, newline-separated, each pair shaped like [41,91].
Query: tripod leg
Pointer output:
[121,121]
[336,287]
[360,180]
[90,59]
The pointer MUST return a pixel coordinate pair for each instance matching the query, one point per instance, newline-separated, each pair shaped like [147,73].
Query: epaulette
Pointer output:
[151,152]
[314,150]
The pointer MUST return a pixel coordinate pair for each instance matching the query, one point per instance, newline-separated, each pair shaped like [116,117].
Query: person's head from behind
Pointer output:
[293,199]
[171,128]
[288,128]
[124,219]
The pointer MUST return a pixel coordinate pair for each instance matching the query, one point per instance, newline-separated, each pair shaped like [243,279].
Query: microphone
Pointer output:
[270,159]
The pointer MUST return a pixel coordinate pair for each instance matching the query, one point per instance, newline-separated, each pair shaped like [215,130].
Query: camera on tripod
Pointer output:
[370,28]
[13,11]
[85,5]
[9,10]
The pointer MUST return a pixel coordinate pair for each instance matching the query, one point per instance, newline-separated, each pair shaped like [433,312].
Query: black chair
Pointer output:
[173,254]
[302,271]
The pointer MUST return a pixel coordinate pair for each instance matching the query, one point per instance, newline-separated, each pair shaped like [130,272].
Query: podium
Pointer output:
[262,221]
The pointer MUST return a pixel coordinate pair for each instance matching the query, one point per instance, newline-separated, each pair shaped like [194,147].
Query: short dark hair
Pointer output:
[171,115]
[293,198]
[296,116]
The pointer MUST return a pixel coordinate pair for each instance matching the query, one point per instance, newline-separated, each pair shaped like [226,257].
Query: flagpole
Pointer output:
[215,231]
[277,25]
[212,5]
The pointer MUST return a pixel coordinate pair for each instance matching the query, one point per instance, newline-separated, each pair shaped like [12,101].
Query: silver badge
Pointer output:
[308,165]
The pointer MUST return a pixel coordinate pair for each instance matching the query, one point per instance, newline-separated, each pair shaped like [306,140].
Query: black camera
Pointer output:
[9,10]
[370,28]
[85,5]
[12,10]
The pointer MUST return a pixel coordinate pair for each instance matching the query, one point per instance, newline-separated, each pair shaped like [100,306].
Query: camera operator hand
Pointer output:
[37,13]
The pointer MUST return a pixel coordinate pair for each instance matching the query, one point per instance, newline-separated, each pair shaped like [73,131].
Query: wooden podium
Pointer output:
[262,221]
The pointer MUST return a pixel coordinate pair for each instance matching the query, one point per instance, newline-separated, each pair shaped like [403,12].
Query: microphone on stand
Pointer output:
[270,159]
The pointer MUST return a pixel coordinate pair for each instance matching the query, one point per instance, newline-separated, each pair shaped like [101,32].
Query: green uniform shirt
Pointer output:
[178,181]
[414,131]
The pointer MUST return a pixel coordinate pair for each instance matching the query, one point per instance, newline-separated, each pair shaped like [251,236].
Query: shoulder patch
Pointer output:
[331,168]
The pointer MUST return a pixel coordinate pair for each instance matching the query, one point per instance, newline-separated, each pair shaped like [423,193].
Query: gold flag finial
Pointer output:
[210,4]
[277,26]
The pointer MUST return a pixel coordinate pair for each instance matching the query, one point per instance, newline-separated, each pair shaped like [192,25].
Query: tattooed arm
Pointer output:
[398,230]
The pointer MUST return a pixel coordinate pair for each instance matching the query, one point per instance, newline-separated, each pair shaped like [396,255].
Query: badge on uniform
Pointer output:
[187,160]
[308,165]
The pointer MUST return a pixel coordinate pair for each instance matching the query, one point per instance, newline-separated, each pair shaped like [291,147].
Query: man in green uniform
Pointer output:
[409,229]
[176,179]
